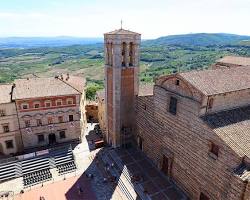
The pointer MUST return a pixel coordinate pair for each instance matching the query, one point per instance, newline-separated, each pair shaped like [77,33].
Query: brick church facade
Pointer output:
[193,125]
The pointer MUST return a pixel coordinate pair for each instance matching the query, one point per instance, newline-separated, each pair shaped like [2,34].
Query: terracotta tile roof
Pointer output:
[44,87]
[211,82]
[233,127]
[146,89]
[76,82]
[5,90]
[234,60]
[121,32]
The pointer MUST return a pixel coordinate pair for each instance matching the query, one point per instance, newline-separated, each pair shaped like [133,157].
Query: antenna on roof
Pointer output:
[121,23]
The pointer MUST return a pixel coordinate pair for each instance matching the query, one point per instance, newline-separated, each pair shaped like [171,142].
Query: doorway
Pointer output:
[1,150]
[52,138]
[165,165]
[203,197]
[140,143]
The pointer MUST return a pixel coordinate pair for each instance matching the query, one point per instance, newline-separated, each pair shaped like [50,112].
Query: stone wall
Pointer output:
[230,100]
[92,112]
[101,116]
[185,140]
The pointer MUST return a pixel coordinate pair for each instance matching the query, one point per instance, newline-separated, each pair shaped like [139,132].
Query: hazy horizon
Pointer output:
[90,19]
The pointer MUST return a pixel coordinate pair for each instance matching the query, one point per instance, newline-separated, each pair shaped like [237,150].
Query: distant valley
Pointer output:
[22,57]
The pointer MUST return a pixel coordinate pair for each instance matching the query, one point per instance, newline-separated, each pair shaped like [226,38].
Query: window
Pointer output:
[9,144]
[40,138]
[39,122]
[210,103]
[2,113]
[36,105]
[123,54]
[71,118]
[69,101]
[6,128]
[50,120]
[48,104]
[131,54]
[214,149]
[62,134]
[25,106]
[177,82]
[27,123]
[59,102]
[173,105]
[60,119]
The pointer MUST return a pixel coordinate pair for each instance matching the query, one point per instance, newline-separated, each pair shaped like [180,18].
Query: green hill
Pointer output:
[198,39]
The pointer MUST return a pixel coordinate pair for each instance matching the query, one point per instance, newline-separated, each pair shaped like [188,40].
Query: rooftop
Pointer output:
[100,94]
[218,81]
[45,87]
[121,32]
[235,60]
[146,89]
[233,127]
[5,90]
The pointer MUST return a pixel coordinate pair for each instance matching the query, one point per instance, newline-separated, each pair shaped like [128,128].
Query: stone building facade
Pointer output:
[100,99]
[44,111]
[194,126]
[199,130]
[91,111]
[10,138]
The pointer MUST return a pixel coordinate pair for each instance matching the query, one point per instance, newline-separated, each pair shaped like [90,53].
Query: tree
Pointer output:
[91,91]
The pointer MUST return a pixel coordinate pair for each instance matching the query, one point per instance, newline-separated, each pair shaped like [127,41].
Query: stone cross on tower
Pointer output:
[121,84]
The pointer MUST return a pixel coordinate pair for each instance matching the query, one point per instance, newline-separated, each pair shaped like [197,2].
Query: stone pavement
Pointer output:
[62,190]
[104,174]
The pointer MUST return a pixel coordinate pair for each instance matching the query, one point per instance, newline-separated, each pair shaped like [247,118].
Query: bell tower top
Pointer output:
[121,31]
[122,48]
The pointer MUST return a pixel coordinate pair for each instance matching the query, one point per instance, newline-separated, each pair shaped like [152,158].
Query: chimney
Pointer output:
[61,77]
[11,93]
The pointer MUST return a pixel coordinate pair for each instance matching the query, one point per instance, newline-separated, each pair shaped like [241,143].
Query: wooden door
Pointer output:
[203,197]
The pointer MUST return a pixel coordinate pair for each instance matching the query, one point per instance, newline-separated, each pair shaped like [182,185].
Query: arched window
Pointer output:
[131,54]
[111,54]
[108,53]
[123,54]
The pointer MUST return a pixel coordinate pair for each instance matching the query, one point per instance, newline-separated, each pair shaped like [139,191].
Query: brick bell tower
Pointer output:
[121,84]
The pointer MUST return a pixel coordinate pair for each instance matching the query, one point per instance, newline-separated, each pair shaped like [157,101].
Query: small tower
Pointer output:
[121,84]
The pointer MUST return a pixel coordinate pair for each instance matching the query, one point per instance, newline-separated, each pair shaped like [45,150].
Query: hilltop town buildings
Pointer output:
[37,112]
[194,126]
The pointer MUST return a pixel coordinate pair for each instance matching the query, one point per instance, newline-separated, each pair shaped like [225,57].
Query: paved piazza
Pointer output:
[102,174]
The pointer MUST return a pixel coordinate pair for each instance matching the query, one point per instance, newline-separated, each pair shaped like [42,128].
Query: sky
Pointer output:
[151,18]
